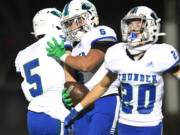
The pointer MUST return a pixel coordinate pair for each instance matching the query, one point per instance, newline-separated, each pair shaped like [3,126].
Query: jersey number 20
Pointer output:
[145,98]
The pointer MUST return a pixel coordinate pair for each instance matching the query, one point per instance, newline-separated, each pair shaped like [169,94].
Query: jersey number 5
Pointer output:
[33,78]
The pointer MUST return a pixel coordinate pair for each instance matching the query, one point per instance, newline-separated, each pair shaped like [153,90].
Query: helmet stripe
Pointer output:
[86,6]
[134,10]
[56,13]
[66,9]
[154,15]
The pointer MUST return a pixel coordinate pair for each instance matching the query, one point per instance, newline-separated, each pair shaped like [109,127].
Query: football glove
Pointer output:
[55,50]
[66,99]
[69,130]
[71,117]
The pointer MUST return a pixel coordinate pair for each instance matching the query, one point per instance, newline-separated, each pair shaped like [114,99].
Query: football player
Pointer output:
[139,63]
[80,24]
[43,77]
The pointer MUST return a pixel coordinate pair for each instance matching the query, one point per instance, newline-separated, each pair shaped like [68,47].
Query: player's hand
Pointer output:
[66,99]
[69,130]
[55,50]
[71,117]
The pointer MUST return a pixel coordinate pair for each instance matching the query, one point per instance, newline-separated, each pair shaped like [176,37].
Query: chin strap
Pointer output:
[137,50]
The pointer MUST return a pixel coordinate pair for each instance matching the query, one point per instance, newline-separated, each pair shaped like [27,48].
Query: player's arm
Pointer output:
[171,61]
[175,71]
[95,56]
[92,96]
[83,63]
[70,76]
[98,90]
[69,72]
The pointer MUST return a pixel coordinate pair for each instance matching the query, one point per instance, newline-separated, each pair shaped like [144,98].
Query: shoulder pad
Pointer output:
[101,33]
[165,56]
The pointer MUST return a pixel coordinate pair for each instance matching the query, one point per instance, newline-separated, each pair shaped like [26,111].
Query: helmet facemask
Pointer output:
[76,26]
[75,11]
[147,31]
[144,32]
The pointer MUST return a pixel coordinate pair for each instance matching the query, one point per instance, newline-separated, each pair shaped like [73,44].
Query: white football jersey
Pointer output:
[43,78]
[91,78]
[141,82]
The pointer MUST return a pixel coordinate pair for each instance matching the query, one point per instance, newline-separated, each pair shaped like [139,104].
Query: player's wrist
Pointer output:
[78,107]
[63,58]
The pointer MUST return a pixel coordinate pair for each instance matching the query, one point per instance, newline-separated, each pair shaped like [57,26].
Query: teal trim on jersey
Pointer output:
[172,66]
[59,127]
[110,37]
[66,9]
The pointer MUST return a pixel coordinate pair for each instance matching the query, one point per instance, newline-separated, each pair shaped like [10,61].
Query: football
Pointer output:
[77,92]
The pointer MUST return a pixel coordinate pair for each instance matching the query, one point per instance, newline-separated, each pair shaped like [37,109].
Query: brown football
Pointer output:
[77,92]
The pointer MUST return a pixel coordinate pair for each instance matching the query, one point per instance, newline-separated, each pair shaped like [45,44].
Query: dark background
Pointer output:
[15,27]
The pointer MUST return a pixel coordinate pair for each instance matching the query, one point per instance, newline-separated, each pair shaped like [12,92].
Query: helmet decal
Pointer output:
[134,10]
[82,14]
[154,15]
[66,9]
[86,5]
[45,20]
[56,13]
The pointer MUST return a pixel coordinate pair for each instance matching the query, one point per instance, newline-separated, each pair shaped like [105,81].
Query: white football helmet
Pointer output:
[149,28]
[83,14]
[46,20]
